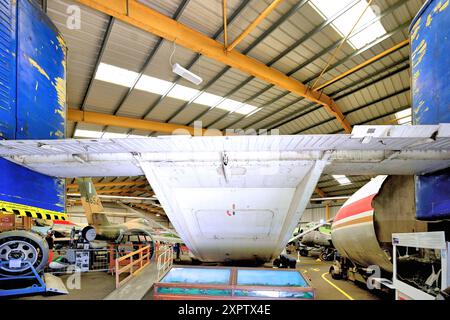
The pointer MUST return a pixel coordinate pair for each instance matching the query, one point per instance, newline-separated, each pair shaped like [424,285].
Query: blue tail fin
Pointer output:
[32,105]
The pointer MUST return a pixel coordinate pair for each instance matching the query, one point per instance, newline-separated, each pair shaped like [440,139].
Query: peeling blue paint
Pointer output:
[430,60]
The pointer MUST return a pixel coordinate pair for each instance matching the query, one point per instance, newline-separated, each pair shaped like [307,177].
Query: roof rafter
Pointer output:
[111,184]
[147,19]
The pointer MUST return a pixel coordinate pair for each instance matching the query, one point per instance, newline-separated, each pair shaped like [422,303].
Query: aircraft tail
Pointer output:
[91,203]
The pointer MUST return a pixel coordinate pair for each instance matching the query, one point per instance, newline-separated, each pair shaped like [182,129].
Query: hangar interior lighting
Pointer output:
[126,78]
[186,74]
[342,179]
[344,23]
[404,117]
[81,133]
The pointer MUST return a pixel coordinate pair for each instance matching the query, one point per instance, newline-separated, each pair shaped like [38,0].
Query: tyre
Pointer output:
[334,274]
[276,262]
[323,256]
[26,246]
[326,255]
[303,252]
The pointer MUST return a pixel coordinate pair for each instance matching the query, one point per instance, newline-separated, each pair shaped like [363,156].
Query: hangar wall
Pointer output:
[76,215]
[317,213]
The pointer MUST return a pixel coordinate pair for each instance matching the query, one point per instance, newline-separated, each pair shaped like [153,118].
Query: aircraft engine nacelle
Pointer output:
[362,229]
[316,238]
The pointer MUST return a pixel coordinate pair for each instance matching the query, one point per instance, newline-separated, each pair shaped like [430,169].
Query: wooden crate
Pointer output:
[7,222]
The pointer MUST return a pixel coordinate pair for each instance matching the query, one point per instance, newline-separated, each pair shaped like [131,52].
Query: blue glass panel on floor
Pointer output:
[270,278]
[198,275]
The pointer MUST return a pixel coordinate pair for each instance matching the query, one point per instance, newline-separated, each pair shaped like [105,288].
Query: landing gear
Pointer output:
[284,261]
[327,254]
[303,252]
[335,273]
[24,246]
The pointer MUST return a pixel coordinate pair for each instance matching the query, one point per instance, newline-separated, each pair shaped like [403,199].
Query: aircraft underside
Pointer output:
[239,197]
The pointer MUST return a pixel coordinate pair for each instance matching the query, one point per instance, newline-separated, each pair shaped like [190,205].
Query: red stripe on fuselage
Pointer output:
[359,206]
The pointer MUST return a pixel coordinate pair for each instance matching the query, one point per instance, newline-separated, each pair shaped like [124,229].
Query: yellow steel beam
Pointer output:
[253,25]
[124,191]
[129,123]
[225,24]
[365,63]
[147,19]
[111,184]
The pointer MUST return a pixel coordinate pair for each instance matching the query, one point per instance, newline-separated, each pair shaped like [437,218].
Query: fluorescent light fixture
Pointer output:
[404,117]
[342,179]
[186,74]
[80,133]
[344,23]
[126,78]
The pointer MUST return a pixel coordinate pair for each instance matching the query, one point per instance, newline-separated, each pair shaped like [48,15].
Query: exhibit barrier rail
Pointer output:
[135,262]
[164,260]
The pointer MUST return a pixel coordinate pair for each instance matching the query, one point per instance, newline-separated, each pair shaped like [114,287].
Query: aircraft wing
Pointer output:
[310,230]
[239,197]
[368,150]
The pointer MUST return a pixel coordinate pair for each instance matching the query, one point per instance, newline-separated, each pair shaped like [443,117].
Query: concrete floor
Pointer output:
[316,272]
[97,285]
[94,286]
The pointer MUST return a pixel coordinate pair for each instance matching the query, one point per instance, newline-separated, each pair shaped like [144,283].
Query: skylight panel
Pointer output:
[136,136]
[112,135]
[116,75]
[182,93]
[208,99]
[126,78]
[345,22]
[404,117]
[153,85]
[80,133]
[246,109]
[229,105]
[342,179]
